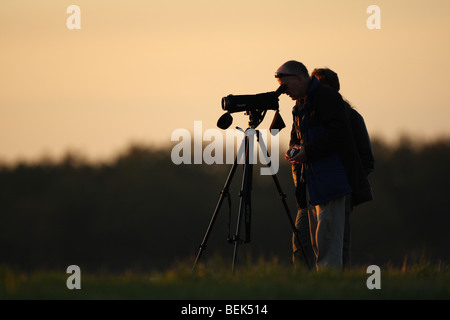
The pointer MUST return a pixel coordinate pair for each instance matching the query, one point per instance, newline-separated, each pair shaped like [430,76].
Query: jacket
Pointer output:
[361,137]
[334,168]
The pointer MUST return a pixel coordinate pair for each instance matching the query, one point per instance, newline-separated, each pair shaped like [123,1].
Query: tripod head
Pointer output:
[254,120]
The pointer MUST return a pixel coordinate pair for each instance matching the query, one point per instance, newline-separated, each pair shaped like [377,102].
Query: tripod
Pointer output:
[245,195]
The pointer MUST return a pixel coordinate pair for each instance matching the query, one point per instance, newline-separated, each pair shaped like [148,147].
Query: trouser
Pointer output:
[326,228]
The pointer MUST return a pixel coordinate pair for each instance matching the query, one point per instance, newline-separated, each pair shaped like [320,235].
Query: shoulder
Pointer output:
[327,91]
[328,95]
[355,115]
[327,98]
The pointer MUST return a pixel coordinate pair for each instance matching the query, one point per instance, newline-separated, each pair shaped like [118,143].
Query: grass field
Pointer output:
[261,281]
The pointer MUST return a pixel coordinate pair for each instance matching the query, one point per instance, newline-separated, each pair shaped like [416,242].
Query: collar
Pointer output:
[313,84]
[302,104]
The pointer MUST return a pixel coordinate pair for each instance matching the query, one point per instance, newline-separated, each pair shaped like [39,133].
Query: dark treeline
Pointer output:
[141,211]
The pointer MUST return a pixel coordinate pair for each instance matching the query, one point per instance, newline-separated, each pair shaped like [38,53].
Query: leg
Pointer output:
[330,233]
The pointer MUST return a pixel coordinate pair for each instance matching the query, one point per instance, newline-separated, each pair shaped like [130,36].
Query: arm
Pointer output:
[294,138]
[362,141]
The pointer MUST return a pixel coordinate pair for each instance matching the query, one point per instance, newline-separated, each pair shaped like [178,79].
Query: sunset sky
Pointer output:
[138,70]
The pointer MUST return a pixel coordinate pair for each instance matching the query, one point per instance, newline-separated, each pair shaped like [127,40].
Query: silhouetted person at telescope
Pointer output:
[326,167]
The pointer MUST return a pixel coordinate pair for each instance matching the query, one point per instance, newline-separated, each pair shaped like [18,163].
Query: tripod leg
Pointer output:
[294,229]
[283,199]
[223,194]
[245,205]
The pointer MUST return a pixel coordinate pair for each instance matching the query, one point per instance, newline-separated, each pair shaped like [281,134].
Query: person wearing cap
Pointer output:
[325,163]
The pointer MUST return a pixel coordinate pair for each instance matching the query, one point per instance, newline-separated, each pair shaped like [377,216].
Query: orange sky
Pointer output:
[138,70]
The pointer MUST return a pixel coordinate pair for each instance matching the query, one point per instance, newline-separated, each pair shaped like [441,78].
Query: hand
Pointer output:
[287,155]
[300,156]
